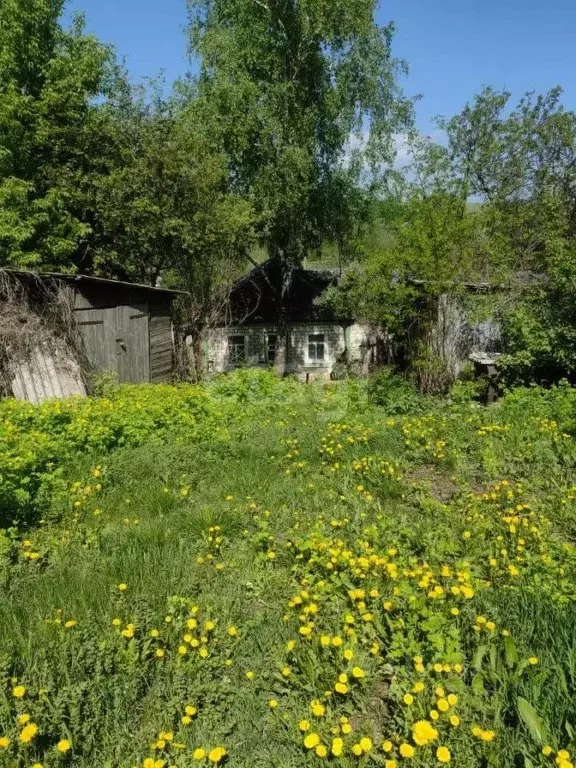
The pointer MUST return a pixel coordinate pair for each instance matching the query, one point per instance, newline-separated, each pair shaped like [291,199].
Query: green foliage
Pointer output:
[394,393]
[272,539]
[282,91]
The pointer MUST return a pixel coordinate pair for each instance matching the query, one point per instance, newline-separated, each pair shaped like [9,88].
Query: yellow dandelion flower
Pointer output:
[443,705]
[28,733]
[311,741]
[18,691]
[337,747]
[423,733]
[455,721]
[199,754]
[408,699]
[4,742]
[217,754]
[321,750]
[387,746]
[63,746]
[358,672]
[407,750]
[443,755]
[190,710]
[366,744]
[122,587]
[23,718]
[304,725]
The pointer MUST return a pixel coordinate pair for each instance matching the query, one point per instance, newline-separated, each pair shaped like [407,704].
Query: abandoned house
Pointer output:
[316,340]
[110,325]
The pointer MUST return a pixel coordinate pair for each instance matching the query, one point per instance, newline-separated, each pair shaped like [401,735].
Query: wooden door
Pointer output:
[98,331]
[117,339]
[133,345]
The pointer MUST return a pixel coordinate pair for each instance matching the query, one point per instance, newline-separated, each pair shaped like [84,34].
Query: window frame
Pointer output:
[236,360]
[317,342]
[271,347]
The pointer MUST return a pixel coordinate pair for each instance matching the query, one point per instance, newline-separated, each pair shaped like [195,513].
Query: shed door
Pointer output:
[98,330]
[116,339]
[133,345]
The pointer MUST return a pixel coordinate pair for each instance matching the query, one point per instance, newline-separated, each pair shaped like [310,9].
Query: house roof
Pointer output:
[89,280]
[256,297]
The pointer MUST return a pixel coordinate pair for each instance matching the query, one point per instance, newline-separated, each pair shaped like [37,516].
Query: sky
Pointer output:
[453,47]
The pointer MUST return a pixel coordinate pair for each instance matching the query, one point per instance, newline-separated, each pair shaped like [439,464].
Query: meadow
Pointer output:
[258,573]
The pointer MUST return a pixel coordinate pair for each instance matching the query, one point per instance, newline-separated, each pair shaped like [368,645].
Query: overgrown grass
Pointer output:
[288,515]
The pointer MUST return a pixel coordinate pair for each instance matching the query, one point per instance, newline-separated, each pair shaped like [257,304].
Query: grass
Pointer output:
[290,513]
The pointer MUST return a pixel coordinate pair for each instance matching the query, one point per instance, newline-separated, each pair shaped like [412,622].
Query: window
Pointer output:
[316,348]
[236,350]
[271,341]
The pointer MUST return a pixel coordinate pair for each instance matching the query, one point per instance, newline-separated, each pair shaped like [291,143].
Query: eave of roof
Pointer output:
[95,280]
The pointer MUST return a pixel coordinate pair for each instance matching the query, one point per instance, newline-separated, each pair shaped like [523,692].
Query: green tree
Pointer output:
[302,99]
[522,164]
[51,132]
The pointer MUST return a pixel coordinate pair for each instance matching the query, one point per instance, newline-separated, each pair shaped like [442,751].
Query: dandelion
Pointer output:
[249,675]
[455,721]
[70,624]
[190,710]
[423,733]
[28,733]
[19,691]
[217,754]
[160,653]
[317,708]
[443,705]
[199,754]
[366,744]
[443,755]
[63,746]
[408,699]
[273,703]
[311,741]
[185,720]
[452,699]
[233,631]
[337,747]
[357,750]
[122,587]
[546,750]
[321,750]
[407,750]
[116,622]
[304,725]
[23,718]
[533,660]
[387,746]
[4,742]
[358,673]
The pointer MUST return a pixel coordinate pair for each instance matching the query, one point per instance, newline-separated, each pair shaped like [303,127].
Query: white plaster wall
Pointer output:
[297,347]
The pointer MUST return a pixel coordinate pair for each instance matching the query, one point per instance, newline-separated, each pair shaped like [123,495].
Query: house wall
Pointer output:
[355,340]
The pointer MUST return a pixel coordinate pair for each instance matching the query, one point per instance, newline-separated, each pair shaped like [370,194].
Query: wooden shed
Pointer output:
[54,327]
[126,328]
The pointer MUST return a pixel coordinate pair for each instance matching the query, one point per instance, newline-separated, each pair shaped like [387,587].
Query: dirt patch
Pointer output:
[438,485]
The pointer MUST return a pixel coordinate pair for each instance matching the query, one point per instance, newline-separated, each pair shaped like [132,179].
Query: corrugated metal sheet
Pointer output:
[48,372]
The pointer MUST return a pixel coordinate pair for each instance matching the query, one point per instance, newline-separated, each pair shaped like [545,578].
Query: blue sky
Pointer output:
[453,47]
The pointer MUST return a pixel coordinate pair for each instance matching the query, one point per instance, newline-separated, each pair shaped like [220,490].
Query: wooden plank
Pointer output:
[133,341]
[161,344]
[97,328]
